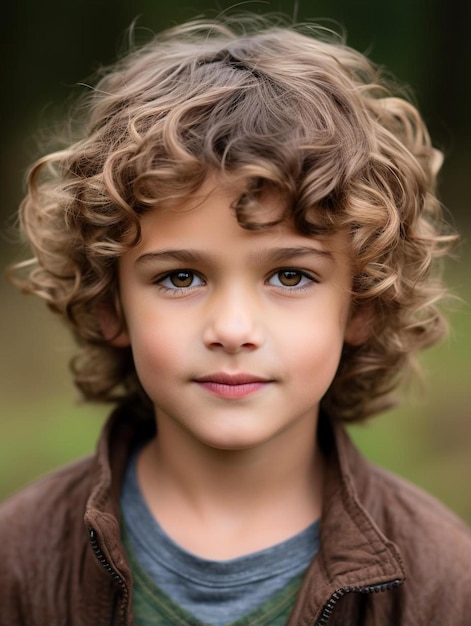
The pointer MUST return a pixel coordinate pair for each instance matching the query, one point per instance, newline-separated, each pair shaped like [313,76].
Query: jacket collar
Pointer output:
[102,512]
[354,552]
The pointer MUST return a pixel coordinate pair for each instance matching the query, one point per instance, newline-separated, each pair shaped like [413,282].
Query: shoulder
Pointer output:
[409,507]
[434,543]
[55,490]
[43,541]
[45,511]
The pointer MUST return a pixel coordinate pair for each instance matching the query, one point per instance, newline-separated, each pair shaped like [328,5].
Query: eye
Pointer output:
[181,279]
[290,278]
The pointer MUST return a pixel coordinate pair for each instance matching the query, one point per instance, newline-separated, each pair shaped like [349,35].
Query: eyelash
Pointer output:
[159,280]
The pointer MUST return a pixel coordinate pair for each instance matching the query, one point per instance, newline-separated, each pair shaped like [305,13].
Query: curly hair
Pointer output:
[287,109]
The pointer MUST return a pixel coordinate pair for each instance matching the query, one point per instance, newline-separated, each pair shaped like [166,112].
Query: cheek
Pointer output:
[157,351]
[313,352]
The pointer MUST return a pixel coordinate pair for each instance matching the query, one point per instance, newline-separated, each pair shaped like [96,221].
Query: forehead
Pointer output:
[206,226]
[256,206]
[224,202]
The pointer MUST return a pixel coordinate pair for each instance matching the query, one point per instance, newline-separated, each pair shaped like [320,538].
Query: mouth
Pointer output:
[226,385]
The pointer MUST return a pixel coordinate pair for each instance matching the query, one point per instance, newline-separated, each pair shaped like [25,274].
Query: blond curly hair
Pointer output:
[287,109]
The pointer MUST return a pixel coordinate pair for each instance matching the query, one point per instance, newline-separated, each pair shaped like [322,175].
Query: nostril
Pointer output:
[232,348]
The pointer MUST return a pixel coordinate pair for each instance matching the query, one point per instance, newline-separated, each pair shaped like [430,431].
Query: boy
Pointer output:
[243,241]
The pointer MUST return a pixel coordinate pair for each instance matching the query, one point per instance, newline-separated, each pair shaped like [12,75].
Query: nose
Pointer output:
[233,323]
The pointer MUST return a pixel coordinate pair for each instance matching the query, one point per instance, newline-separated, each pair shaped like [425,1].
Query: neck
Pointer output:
[232,494]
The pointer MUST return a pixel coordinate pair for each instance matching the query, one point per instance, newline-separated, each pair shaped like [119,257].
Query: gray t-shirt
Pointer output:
[212,591]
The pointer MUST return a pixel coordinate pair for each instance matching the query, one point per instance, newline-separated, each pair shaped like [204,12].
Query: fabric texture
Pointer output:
[153,607]
[389,555]
[211,591]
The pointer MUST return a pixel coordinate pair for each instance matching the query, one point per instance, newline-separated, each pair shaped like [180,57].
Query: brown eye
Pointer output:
[181,279]
[289,278]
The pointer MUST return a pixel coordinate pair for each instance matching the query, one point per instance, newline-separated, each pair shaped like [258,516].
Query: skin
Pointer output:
[236,337]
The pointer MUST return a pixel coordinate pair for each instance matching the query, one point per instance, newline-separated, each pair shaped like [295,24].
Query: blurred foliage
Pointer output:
[50,48]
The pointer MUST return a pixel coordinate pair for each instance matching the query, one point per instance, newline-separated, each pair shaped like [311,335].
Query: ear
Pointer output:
[112,327]
[360,325]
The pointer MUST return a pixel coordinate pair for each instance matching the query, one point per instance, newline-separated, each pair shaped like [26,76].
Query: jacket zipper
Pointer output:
[335,597]
[326,611]
[107,566]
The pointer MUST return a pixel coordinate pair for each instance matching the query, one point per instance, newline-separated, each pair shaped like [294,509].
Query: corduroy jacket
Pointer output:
[389,555]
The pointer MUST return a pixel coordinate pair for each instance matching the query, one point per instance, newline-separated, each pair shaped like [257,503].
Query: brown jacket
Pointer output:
[389,554]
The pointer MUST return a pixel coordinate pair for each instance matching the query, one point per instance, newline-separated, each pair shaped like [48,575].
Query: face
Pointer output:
[236,334]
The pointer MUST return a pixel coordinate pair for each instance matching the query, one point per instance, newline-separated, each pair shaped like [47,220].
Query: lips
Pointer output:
[231,379]
[230,386]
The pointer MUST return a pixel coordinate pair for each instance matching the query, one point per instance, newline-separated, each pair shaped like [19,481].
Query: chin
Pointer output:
[236,442]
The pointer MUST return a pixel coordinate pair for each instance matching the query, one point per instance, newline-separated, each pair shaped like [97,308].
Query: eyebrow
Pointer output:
[275,255]
[186,256]
[278,255]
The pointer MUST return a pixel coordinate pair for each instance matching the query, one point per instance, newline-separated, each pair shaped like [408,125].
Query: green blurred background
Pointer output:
[49,47]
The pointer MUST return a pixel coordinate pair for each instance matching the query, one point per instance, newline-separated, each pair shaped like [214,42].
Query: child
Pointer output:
[243,241]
